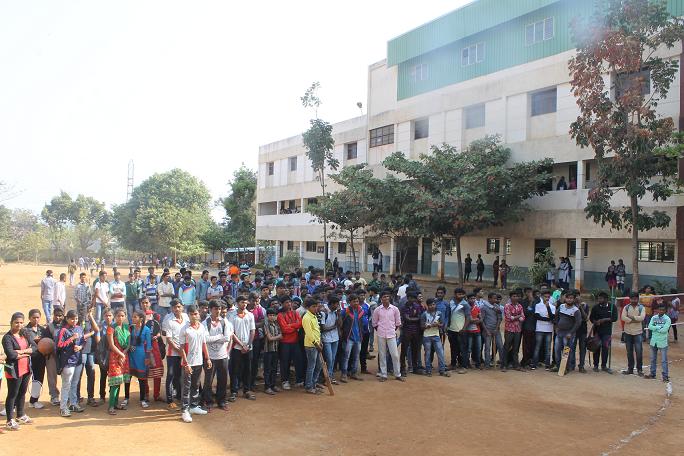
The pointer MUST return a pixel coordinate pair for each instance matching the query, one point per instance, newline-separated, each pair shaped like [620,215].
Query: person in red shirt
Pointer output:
[18,346]
[290,323]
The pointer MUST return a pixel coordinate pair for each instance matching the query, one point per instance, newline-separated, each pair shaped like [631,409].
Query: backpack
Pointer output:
[102,352]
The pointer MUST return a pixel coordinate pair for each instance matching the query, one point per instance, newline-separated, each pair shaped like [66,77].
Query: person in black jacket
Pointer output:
[18,347]
[602,316]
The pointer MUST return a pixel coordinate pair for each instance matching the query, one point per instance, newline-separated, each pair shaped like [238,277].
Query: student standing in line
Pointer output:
[155,370]
[119,339]
[312,344]
[101,294]
[219,337]
[18,346]
[193,340]
[330,334]
[47,294]
[473,329]
[432,322]
[659,326]
[581,336]
[514,316]
[36,332]
[290,323]
[140,352]
[633,315]
[458,320]
[568,320]
[171,328]
[241,353]
[83,296]
[70,342]
[529,326]
[602,316]
[544,312]
[273,337]
[88,358]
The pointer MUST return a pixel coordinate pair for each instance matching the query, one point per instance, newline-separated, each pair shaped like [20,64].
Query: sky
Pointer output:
[86,86]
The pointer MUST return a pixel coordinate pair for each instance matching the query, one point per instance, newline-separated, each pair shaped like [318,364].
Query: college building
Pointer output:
[489,68]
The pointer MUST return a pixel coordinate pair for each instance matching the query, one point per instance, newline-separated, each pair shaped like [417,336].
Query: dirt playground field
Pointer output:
[488,412]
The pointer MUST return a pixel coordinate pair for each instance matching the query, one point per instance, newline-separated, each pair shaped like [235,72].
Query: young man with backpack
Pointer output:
[633,315]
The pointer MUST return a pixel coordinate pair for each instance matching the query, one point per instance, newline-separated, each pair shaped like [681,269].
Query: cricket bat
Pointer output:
[328,384]
[564,361]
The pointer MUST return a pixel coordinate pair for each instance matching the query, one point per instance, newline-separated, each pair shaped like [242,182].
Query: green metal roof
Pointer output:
[465,21]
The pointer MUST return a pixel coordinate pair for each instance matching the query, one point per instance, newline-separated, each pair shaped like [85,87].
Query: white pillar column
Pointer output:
[301,252]
[579,263]
[256,253]
[279,253]
[363,257]
[277,207]
[420,255]
[580,177]
[302,205]
[392,266]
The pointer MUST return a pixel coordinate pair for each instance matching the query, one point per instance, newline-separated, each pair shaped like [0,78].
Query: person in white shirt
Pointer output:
[219,339]
[166,293]
[171,328]
[47,294]
[101,293]
[241,354]
[215,290]
[544,312]
[60,292]
[193,342]
[117,292]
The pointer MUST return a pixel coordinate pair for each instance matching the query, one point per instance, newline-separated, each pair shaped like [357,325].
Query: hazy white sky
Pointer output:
[85,86]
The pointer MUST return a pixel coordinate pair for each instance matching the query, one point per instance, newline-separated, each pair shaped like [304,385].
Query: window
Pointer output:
[311,201]
[475,116]
[493,245]
[421,129]
[310,246]
[381,136]
[473,54]
[269,165]
[587,171]
[543,102]
[508,247]
[539,31]
[419,72]
[290,245]
[293,163]
[624,82]
[341,247]
[656,251]
[352,151]
[540,245]
[572,244]
[449,246]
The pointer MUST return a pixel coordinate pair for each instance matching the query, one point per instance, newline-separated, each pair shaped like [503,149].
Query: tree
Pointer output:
[349,210]
[239,205]
[634,145]
[56,215]
[167,211]
[89,217]
[33,243]
[319,144]
[459,193]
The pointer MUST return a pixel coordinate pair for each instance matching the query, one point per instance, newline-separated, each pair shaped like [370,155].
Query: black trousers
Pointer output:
[457,346]
[220,368]
[103,382]
[479,276]
[257,346]
[511,348]
[414,341]
[239,370]
[38,367]
[363,355]
[270,369]
[16,395]
[173,378]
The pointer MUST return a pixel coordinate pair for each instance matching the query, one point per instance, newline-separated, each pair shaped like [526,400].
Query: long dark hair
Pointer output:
[22,332]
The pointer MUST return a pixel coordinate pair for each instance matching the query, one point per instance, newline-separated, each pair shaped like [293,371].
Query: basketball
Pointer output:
[46,346]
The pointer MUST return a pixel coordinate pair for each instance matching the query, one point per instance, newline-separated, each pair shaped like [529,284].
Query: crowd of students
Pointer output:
[223,328]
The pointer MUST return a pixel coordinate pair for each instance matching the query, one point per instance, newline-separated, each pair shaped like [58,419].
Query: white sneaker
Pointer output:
[24,420]
[12,425]
[185,416]
[3,412]
[144,404]
[286,385]
[198,411]
[36,405]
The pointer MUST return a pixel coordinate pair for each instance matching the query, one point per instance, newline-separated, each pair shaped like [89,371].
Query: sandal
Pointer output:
[111,411]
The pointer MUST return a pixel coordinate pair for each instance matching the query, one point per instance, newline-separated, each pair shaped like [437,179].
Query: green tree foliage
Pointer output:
[216,237]
[635,148]
[319,144]
[542,263]
[289,261]
[166,212]
[56,215]
[240,218]
[455,194]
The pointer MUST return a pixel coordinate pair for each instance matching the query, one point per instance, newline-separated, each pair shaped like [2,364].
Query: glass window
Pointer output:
[539,31]
[290,245]
[420,72]
[543,102]
[548,28]
[473,54]
[381,136]
[421,128]
[656,251]
[293,163]
[475,116]
[351,151]
[493,245]
[310,246]
[508,246]
[270,167]
[624,82]
[341,247]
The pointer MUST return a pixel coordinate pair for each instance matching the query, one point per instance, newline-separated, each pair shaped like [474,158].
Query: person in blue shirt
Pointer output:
[365,330]
[187,292]
[352,335]
[203,286]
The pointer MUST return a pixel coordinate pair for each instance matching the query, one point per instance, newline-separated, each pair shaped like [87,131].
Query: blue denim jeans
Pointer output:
[433,343]
[47,310]
[562,342]
[351,357]
[88,363]
[635,349]
[542,339]
[663,360]
[496,336]
[474,348]
[313,367]
[131,306]
[163,312]
[329,351]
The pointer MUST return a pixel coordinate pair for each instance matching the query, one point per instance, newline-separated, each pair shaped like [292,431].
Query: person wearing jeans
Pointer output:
[18,346]
[272,335]
[659,327]
[568,320]
[88,360]
[47,294]
[171,328]
[330,335]
[633,315]
[312,343]
[431,322]
[352,334]
[602,316]
[70,342]
[411,332]
[193,340]
[544,311]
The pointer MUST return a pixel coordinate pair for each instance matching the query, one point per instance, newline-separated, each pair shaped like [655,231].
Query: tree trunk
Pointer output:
[635,245]
[351,239]
[459,263]
[442,259]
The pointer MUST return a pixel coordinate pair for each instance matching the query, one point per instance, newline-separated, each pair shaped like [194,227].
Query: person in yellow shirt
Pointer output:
[312,343]
[646,300]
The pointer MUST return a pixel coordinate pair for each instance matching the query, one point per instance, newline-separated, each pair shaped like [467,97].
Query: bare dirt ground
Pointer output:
[486,412]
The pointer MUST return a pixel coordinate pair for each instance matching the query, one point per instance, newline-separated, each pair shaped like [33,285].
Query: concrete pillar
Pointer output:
[420,255]
[301,252]
[302,205]
[392,266]
[277,207]
[256,253]
[363,257]
[581,181]
[579,263]
[279,253]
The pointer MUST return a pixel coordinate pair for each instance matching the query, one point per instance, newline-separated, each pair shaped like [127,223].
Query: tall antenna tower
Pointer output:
[129,187]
